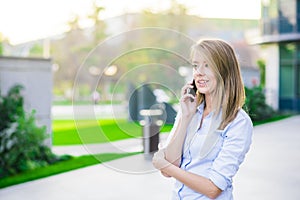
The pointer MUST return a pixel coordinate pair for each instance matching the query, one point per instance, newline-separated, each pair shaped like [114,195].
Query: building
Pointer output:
[280,42]
[35,75]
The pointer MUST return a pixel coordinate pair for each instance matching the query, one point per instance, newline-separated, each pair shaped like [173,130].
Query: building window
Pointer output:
[269,17]
[289,90]
[287,52]
[280,16]
[286,81]
[298,81]
[287,16]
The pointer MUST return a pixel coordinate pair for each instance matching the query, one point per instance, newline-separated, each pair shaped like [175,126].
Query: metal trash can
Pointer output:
[151,129]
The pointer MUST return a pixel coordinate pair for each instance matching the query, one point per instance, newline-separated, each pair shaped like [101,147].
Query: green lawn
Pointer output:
[70,132]
[60,167]
[67,132]
[273,119]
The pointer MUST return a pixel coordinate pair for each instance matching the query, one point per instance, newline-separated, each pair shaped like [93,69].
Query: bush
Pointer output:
[256,106]
[21,140]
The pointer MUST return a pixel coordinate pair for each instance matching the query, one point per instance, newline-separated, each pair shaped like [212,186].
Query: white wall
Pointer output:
[251,76]
[271,56]
[36,77]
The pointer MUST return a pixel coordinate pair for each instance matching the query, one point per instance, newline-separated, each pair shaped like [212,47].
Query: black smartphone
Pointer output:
[193,90]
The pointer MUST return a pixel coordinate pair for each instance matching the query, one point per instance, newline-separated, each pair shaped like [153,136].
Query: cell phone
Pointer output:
[193,90]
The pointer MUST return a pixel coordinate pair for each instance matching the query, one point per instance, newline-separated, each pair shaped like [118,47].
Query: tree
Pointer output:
[36,50]
[1,44]
[262,68]
[99,25]
[68,53]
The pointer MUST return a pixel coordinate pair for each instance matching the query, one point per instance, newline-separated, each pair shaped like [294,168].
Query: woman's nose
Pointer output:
[199,70]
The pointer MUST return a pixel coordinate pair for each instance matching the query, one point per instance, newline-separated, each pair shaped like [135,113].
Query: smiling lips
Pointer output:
[203,83]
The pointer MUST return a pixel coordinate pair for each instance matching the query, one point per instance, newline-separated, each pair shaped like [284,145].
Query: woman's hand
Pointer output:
[188,107]
[159,161]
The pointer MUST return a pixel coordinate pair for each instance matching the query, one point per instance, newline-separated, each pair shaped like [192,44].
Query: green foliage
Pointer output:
[262,69]
[70,51]
[256,105]
[36,50]
[1,44]
[11,107]
[1,48]
[21,140]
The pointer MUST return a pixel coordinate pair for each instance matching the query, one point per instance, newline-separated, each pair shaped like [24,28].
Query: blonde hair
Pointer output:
[229,96]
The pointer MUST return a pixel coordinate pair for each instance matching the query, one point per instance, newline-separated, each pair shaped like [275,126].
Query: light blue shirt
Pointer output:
[223,160]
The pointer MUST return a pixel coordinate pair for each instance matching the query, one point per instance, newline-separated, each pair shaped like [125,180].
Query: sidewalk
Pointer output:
[128,145]
[98,182]
[89,111]
[271,168]
[270,172]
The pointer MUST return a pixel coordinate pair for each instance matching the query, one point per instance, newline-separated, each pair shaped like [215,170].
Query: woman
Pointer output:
[212,133]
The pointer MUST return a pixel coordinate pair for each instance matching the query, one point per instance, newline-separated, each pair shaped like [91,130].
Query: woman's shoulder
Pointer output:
[243,115]
[242,119]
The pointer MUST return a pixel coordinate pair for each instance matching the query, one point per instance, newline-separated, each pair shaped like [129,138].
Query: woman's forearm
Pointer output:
[173,151]
[193,181]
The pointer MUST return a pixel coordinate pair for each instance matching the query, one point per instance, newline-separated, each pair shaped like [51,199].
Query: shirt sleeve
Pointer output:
[237,139]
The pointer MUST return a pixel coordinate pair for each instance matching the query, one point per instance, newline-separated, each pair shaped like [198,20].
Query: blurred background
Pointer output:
[87,67]
[66,32]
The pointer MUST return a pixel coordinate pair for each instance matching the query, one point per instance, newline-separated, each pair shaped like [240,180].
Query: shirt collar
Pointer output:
[200,108]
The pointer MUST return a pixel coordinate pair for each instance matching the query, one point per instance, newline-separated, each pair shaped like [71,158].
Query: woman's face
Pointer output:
[203,74]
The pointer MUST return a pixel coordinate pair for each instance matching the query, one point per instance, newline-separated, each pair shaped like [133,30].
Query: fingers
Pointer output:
[187,97]
[160,146]
[159,161]
[165,174]
[185,88]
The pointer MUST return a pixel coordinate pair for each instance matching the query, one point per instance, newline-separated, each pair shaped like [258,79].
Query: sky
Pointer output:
[25,20]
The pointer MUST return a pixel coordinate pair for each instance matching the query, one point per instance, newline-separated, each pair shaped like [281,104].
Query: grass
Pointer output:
[70,132]
[273,119]
[60,167]
[67,132]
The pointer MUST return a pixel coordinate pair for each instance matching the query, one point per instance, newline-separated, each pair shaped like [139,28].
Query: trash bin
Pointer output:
[151,128]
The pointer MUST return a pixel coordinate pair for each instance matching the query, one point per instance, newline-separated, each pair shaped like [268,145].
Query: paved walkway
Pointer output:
[270,172]
[271,169]
[128,145]
[89,111]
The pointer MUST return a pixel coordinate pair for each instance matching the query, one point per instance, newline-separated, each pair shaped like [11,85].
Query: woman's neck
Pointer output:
[207,108]
[208,103]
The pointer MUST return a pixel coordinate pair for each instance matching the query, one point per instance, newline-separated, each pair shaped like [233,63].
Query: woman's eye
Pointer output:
[205,65]
[194,65]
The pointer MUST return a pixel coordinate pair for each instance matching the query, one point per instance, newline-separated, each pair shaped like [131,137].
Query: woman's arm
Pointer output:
[193,181]
[173,150]
[237,140]
[196,182]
